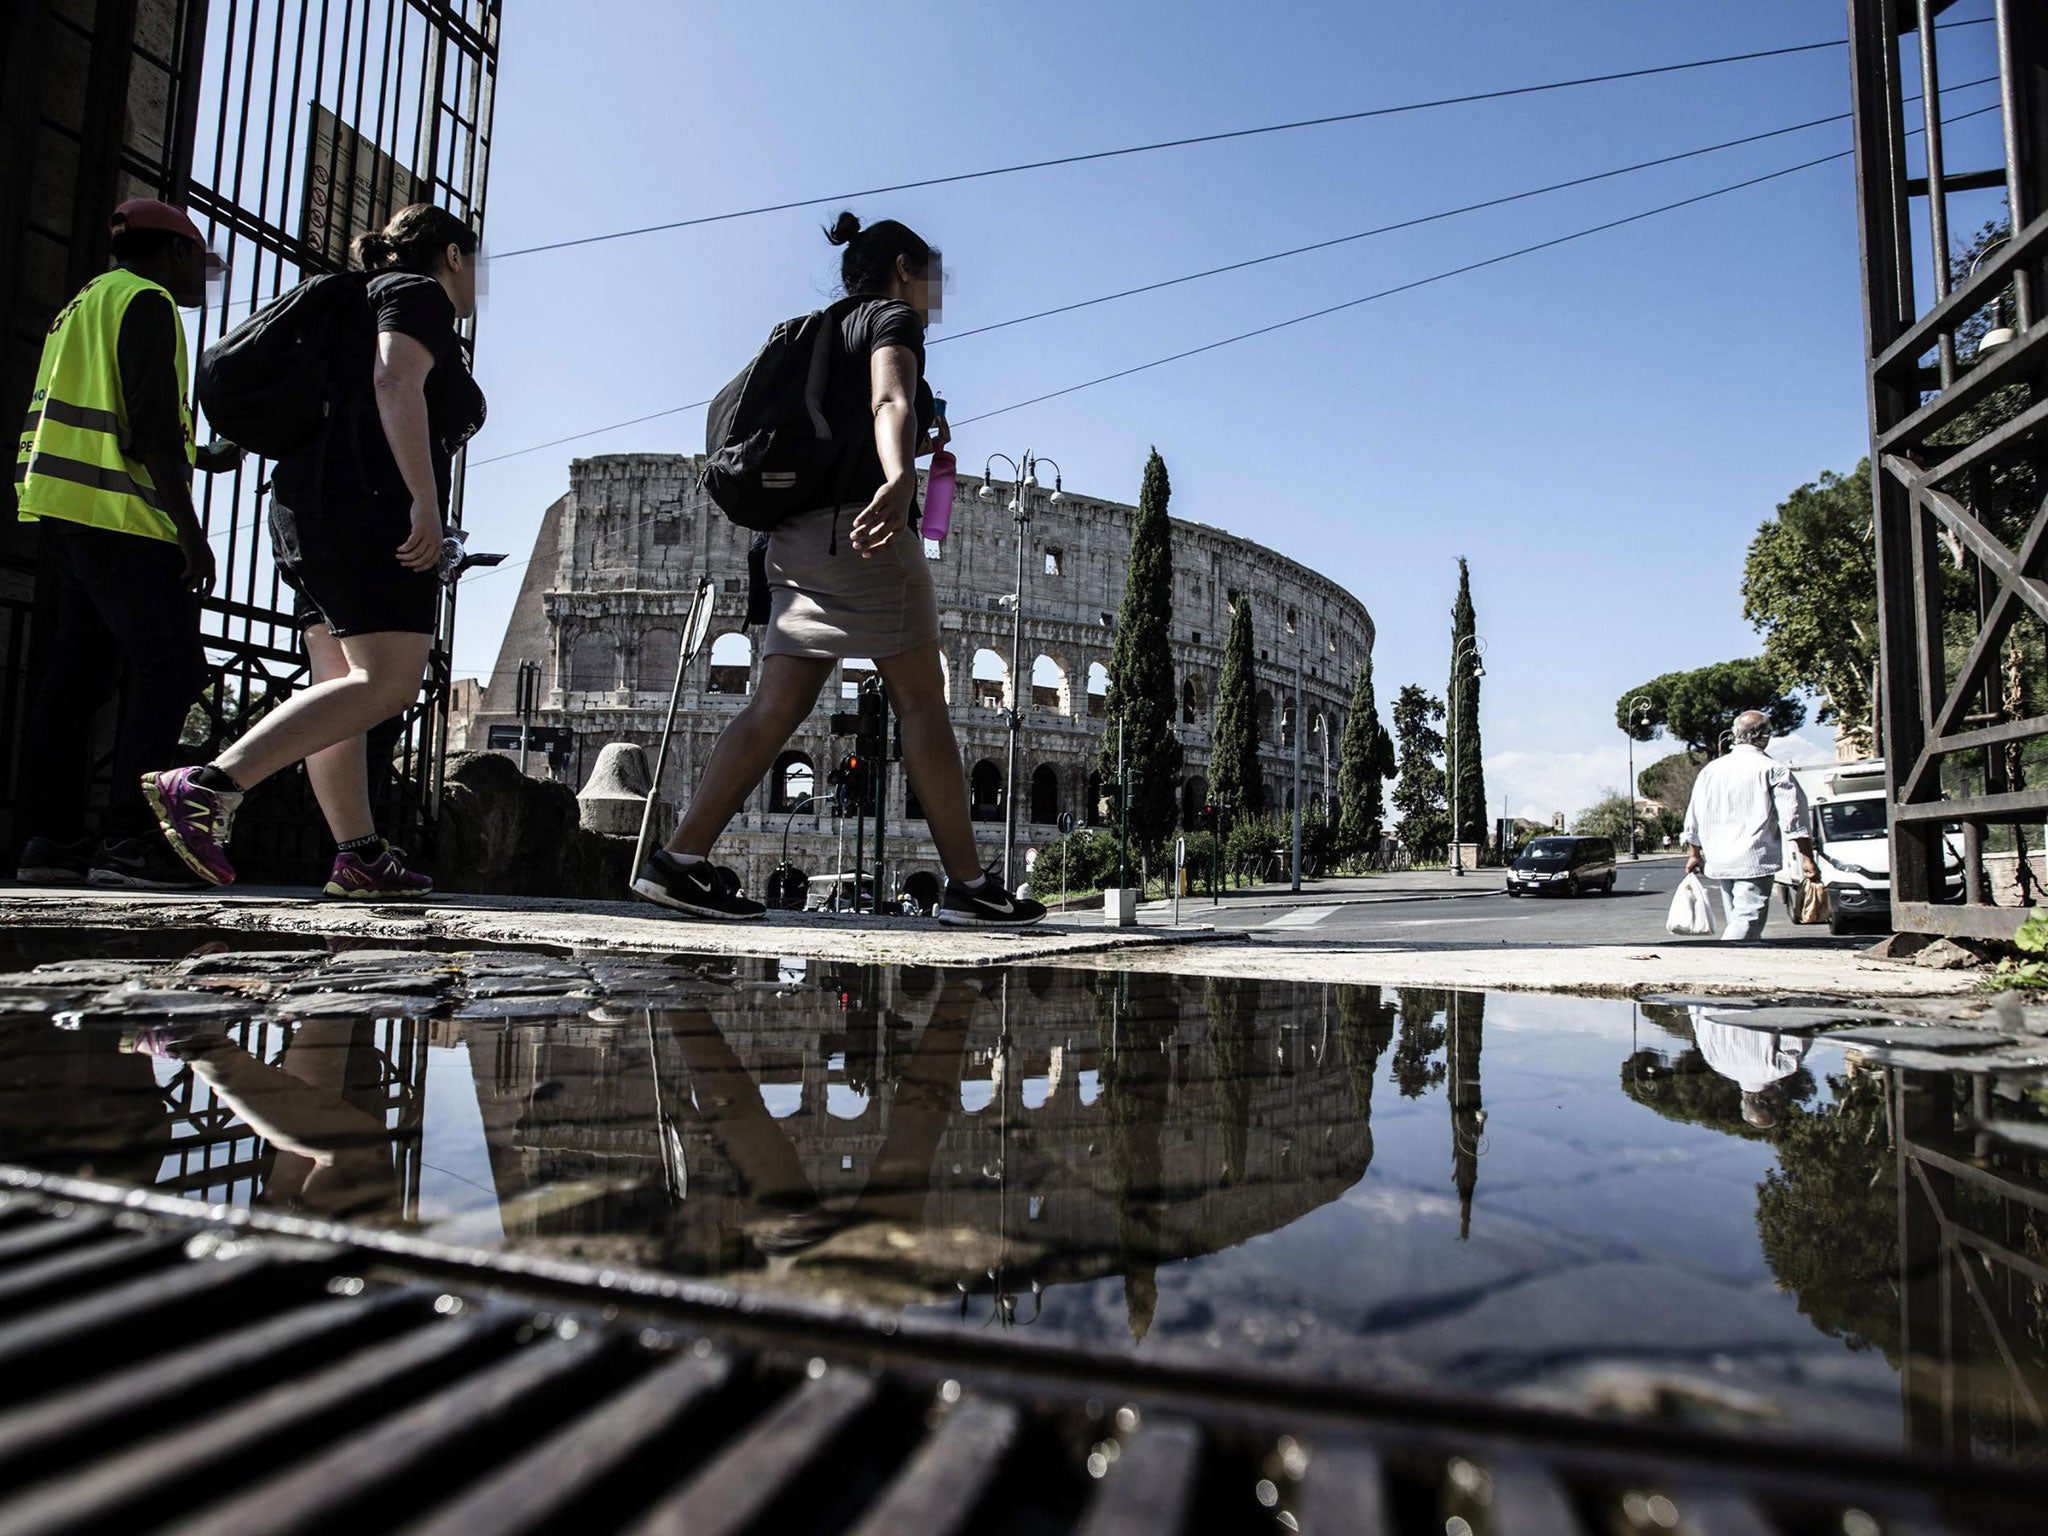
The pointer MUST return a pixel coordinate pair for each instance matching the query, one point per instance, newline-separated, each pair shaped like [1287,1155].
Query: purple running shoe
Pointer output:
[386,877]
[197,821]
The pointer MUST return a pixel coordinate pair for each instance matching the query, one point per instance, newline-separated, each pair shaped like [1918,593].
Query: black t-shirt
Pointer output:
[359,458]
[864,325]
[147,352]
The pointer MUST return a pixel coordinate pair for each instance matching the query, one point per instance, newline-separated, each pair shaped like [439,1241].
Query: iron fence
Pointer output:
[1956,368]
[286,127]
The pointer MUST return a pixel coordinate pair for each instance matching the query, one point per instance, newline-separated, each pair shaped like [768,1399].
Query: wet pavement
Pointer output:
[1803,1221]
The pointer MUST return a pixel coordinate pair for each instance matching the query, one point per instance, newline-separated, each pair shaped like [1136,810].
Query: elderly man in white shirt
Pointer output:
[1745,807]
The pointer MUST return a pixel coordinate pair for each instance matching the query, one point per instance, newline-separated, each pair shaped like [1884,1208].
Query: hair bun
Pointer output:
[374,251]
[843,229]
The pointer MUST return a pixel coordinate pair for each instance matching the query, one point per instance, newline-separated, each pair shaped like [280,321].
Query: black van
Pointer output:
[1565,864]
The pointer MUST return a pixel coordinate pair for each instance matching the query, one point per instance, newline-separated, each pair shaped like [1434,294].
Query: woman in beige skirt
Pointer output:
[851,580]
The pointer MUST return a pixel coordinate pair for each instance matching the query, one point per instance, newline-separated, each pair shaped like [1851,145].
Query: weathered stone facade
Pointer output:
[607,591]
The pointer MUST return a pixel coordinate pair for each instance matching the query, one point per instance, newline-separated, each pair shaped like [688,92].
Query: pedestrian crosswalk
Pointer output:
[1300,917]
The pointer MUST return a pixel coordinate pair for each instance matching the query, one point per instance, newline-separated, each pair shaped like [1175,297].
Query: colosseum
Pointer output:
[606,593]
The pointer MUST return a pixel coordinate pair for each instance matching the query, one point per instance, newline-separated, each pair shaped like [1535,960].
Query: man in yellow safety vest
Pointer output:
[105,469]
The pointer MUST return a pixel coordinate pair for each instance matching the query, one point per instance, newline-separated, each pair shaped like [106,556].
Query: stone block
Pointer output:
[504,834]
[614,798]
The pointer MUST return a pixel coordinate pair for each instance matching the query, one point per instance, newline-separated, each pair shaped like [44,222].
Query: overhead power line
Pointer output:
[1469,98]
[1437,277]
[1299,250]
[1416,222]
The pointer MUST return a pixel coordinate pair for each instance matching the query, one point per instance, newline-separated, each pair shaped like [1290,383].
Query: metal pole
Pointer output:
[525,711]
[1451,799]
[1299,722]
[1123,806]
[1016,683]
[881,797]
[695,627]
[1631,796]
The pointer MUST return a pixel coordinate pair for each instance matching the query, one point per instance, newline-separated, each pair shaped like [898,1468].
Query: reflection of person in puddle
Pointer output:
[1755,1060]
[729,1107]
[329,1158]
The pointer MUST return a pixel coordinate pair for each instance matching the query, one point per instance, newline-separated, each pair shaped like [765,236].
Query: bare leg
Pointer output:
[746,749]
[340,774]
[931,755]
[383,677]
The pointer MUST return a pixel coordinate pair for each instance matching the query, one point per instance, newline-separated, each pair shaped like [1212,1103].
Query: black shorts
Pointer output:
[342,561]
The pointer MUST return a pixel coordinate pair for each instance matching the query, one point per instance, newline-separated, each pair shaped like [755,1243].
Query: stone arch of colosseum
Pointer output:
[618,556]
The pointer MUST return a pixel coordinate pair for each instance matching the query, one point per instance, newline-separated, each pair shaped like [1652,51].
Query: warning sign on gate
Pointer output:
[352,187]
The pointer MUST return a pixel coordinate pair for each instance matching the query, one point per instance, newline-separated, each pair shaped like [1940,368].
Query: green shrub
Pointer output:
[1091,862]
[2031,970]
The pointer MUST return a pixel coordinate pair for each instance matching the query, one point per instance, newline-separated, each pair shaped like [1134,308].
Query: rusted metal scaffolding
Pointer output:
[1956,417]
[286,126]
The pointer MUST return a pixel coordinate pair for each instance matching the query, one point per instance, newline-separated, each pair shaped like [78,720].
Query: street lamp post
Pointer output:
[1638,710]
[1024,473]
[1465,666]
[1300,725]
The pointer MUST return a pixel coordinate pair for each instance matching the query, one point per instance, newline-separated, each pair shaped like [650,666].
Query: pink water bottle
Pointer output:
[938,495]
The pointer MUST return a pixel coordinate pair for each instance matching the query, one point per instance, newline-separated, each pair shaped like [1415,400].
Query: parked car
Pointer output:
[834,893]
[1567,865]
[1852,846]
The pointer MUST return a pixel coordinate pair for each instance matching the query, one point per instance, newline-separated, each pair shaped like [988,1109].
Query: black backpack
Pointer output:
[769,450]
[274,383]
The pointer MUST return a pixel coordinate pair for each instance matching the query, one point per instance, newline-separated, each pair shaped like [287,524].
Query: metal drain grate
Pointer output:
[164,1371]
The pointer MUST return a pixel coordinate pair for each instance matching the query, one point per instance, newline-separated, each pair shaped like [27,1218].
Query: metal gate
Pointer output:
[1957,404]
[286,126]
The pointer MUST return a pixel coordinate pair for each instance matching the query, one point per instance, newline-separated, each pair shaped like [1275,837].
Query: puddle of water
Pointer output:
[1624,1208]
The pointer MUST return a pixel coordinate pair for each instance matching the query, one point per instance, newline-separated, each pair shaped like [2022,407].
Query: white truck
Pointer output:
[1852,845]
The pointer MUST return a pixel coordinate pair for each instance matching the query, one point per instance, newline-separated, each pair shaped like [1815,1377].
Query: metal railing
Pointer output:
[1957,406]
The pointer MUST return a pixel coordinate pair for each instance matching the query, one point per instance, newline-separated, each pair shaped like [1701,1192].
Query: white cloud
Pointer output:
[1538,784]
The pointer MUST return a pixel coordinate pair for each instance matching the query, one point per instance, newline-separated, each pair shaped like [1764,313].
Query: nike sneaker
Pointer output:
[702,889]
[992,906]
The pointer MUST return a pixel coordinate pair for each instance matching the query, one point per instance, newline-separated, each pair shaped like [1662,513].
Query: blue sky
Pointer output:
[1598,428]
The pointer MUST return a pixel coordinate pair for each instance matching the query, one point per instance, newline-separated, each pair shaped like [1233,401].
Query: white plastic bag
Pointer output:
[1691,911]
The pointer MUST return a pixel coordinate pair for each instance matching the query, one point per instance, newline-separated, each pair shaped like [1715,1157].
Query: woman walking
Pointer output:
[866,592]
[357,532]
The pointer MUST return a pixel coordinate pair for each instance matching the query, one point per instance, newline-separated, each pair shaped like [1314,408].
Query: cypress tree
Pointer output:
[1468,795]
[1141,692]
[1364,760]
[1234,757]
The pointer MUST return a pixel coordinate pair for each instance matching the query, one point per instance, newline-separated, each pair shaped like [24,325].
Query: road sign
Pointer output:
[555,741]
[1066,823]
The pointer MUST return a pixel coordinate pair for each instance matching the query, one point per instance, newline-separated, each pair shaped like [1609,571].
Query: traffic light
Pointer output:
[848,782]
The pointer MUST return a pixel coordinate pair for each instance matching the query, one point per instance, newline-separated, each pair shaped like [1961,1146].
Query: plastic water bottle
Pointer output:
[938,495]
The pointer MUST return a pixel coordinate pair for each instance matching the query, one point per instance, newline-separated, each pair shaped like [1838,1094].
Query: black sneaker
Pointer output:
[45,861]
[142,864]
[990,907]
[702,889]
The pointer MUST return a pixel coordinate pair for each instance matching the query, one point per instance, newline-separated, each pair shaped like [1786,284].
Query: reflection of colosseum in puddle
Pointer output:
[896,1148]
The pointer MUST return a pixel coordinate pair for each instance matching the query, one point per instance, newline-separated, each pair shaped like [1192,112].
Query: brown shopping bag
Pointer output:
[1813,903]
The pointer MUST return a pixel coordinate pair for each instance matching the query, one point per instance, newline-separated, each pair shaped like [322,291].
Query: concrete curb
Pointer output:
[619,927]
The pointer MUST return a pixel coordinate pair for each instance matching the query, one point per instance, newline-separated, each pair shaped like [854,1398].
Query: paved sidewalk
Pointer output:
[1665,964]
[625,927]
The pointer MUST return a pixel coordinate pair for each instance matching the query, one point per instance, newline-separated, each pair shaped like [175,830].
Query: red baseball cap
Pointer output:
[148,213]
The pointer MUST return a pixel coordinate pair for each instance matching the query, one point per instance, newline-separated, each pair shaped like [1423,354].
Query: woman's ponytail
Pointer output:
[413,241]
[870,260]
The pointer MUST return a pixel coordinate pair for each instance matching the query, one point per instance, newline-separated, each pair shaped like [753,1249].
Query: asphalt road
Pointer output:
[1632,914]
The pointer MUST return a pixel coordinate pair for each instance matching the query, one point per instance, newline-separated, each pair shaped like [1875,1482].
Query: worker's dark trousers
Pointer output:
[124,622]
